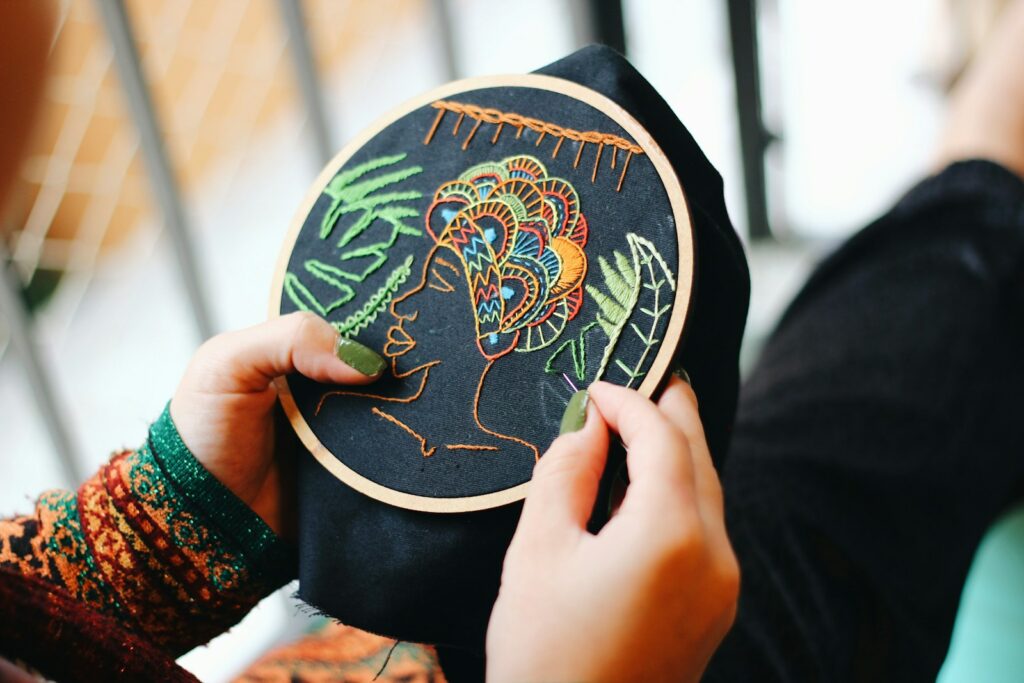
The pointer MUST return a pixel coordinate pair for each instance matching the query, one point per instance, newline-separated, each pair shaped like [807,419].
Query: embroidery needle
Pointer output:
[573,386]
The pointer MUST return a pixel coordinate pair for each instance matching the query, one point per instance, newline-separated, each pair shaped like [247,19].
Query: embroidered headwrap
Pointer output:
[520,236]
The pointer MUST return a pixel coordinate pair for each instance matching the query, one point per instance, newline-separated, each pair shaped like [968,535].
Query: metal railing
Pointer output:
[596,21]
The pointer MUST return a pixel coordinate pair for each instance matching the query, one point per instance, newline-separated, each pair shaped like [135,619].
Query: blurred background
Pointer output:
[176,138]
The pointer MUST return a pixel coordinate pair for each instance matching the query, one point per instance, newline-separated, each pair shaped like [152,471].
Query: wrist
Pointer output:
[263,550]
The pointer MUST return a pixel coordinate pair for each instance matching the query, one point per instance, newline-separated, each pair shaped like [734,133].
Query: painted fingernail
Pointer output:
[360,358]
[682,374]
[575,414]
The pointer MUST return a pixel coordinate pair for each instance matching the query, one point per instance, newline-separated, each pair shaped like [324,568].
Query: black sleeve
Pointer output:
[878,438]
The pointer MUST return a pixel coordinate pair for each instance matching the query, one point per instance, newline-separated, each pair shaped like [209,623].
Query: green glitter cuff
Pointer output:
[268,556]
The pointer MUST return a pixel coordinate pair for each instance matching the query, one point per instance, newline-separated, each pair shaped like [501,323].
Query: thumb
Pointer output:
[565,480]
[247,361]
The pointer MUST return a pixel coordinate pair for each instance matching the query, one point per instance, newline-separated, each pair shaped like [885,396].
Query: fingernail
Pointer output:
[575,414]
[682,374]
[360,358]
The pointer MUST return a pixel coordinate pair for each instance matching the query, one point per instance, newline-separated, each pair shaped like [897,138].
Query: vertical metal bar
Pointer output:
[158,165]
[607,23]
[754,139]
[22,340]
[306,73]
[446,32]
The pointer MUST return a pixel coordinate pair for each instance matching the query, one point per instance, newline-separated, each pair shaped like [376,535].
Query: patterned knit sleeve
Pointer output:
[153,540]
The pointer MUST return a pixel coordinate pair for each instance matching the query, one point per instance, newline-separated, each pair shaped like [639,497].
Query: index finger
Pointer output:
[658,454]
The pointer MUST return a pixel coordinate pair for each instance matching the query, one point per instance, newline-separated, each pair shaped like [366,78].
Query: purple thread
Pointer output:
[574,389]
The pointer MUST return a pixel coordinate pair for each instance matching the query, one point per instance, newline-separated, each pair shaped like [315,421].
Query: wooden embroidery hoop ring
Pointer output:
[673,333]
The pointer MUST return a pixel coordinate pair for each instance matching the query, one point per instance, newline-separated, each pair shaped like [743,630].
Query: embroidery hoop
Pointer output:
[680,306]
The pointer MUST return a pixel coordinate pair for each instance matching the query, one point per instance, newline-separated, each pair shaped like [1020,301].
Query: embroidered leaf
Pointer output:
[619,286]
[629,373]
[577,349]
[623,282]
[658,284]
[301,296]
[348,196]
[625,268]
[346,178]
[376,202]
[610,330]
[305,300]
[646,339]
[355,193]
[611,309]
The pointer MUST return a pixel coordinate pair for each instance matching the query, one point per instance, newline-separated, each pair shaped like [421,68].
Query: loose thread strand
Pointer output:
[597,162]
[622,177]
[433,128]
[472,132]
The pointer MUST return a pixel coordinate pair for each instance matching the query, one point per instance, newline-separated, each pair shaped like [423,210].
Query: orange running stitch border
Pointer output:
[542,128]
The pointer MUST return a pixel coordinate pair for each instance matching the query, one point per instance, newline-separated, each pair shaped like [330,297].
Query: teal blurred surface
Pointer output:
[988,638]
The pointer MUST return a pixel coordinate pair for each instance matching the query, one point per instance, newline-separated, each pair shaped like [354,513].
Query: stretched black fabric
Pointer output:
[434,577]
[878,438]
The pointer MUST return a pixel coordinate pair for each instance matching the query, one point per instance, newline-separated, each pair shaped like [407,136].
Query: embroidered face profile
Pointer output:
[503,242]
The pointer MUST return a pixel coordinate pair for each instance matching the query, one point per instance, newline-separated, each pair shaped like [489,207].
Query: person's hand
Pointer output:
[224,405]
[649,597]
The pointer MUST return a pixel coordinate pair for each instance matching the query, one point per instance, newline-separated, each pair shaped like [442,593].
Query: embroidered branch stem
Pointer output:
[426,452]
[378,301]
[520,122]
[469,447]
[577,349]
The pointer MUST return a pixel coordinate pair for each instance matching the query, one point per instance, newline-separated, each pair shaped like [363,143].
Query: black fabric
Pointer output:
[878,438]
[718,312]
[433,577]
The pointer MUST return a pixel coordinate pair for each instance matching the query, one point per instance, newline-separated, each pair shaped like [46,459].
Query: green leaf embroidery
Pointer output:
[657,279]
[643,271]
[375,202]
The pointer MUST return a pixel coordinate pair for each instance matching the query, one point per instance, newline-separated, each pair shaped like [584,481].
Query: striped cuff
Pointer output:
[266,554]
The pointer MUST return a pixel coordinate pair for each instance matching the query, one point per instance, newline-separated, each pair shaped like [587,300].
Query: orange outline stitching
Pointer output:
[409,430]
[447,285]
[476,416]
[441,262]
[500,118]
[469,447]
[390,399]
[624,167]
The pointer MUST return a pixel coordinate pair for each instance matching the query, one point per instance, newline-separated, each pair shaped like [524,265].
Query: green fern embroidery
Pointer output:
[349,196]
[654,276]
[364,317]
[622,285]
[625,279]
[375,203]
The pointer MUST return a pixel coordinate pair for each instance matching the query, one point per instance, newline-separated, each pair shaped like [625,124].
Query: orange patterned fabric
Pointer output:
[341,653]
[133,546]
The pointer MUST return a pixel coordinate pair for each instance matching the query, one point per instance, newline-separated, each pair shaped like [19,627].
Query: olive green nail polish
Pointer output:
[681,373]
[575,414]
[358,357]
